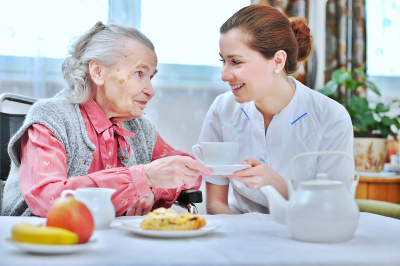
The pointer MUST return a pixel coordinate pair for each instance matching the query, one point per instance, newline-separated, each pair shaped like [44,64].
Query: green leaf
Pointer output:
[329,88]
[339,76]
[351,112]
[396,123]
[381,108]
[359,125]
[360,105]
[358,84]
[361,71]
[368,119]
[385,130]
[356,129]
[372,86]
[387,121]
[351,84]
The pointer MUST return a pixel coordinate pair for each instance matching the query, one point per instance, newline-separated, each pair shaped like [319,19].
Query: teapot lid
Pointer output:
[321,179]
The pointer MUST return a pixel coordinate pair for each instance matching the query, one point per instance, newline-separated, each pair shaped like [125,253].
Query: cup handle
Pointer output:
[193,148]
[67,192]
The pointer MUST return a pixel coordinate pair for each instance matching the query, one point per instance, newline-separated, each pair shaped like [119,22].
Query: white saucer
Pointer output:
[228,169]
[52,249]
[134,226]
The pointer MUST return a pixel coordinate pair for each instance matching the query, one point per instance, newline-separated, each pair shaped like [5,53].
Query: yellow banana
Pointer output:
[27,233]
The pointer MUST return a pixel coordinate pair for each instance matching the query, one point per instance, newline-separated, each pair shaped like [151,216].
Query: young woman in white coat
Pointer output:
[273,117]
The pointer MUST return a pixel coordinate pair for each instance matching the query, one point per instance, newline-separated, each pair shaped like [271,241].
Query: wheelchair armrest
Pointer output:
[190,196]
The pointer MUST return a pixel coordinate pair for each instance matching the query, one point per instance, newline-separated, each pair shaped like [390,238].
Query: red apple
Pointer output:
[73,215]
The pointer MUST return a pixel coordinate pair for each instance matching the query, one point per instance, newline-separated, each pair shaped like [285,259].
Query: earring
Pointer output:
[277,71]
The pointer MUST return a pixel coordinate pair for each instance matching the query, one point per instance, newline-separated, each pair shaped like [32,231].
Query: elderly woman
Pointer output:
[94,133]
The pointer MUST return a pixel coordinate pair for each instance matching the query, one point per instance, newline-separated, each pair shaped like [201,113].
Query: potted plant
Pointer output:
[370,123]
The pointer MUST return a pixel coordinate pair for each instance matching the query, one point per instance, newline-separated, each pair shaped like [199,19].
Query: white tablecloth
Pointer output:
[248,239]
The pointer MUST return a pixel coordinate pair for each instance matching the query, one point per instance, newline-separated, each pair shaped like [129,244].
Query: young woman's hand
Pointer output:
[174,171]
[259,175]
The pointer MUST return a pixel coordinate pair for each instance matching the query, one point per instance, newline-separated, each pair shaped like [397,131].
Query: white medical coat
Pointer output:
[310,122]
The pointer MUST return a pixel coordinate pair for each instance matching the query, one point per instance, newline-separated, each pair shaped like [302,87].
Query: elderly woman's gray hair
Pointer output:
[102,43]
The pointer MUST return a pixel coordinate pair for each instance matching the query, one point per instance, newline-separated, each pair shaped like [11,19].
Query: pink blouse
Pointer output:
[43,170]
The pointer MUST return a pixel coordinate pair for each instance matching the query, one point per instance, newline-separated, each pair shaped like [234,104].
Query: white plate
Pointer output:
[228,169]
[134,226]
[52,249]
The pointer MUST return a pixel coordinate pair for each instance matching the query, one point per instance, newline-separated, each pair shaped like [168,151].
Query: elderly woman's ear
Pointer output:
[97,72]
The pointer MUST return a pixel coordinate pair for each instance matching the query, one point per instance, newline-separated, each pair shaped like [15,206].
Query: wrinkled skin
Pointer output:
[123,90]
[174,171]
[142,206]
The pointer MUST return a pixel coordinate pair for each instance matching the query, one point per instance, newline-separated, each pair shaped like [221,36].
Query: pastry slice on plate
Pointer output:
[167,219]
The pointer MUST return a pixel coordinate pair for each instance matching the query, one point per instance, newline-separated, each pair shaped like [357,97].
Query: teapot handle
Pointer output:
[352,166]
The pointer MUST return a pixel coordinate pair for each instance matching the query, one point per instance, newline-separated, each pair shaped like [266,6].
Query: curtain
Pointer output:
[345,38]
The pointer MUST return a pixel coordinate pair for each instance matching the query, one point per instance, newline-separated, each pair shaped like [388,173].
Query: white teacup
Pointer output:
[98,201]
[217,153]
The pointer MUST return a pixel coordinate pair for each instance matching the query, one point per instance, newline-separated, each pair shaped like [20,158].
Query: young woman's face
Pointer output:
[249,74]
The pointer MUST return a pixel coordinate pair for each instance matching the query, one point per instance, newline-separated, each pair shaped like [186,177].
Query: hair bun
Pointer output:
[303,35]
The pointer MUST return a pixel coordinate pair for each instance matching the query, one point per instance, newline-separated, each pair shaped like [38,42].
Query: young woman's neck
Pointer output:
[278,97]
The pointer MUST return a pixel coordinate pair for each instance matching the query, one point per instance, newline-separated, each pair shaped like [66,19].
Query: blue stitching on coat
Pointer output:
[234,128]
[308,135]
[298,118]
[245,114]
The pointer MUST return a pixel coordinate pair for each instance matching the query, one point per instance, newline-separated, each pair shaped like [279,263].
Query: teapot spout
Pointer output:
[277,204]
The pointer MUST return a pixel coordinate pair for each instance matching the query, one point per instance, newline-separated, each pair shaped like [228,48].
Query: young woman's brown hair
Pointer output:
[267,30]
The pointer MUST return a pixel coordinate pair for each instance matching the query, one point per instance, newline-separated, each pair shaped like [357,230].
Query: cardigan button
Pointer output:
[84,162]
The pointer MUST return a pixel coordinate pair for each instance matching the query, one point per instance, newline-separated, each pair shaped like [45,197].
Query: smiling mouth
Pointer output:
[237,86]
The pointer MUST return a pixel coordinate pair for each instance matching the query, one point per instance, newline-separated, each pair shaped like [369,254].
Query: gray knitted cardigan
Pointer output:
[64,119]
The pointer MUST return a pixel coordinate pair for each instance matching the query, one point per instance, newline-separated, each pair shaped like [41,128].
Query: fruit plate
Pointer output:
[134,226]
[52,249]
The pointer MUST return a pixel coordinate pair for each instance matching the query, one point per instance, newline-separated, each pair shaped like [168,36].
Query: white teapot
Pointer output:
[321,210]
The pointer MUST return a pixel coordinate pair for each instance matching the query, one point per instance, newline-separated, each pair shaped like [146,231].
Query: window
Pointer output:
[187,32]
[45,27]
[34,37]
[186,38]
[383,37]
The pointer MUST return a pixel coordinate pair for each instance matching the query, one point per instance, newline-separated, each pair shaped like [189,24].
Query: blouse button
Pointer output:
[109,153]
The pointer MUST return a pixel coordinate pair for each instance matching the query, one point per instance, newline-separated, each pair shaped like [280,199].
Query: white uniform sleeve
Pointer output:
[212,132]
[337,137]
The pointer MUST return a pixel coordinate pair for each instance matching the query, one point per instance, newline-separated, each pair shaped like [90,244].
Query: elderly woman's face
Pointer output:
[127,85]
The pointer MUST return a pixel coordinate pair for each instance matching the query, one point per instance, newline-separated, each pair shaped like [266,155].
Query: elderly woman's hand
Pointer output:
[142,206]
[174,171]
